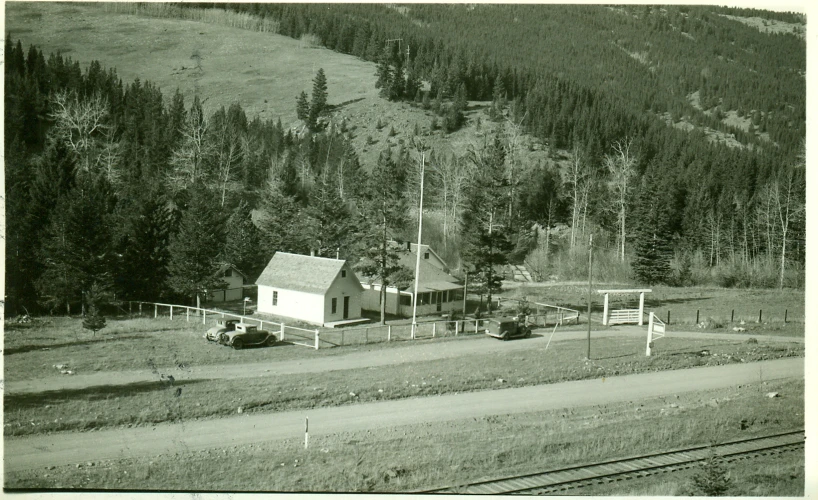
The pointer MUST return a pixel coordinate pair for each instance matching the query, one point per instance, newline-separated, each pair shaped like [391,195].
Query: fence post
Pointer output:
[204,317]
[187,314]
[171,313]
[476,326]
[260,325]
[732,315]
[456,328]
[668,316]
[697,316]
[389,333]
[155,311]
[282,332]
[759,315]
[434,329]
[785,316]
[316,339]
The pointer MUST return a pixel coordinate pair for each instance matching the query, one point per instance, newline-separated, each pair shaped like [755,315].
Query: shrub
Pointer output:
[712,479]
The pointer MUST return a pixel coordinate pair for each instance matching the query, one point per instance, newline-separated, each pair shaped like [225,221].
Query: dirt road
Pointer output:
[68,448]
[401,353]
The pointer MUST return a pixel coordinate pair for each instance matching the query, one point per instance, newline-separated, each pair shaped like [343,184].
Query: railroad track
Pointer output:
[561,480]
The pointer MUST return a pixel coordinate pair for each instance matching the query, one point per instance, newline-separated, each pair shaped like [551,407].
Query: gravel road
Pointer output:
[67,448]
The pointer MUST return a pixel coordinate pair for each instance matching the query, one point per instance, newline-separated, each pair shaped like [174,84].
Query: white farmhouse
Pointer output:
[316,290]
[438,291]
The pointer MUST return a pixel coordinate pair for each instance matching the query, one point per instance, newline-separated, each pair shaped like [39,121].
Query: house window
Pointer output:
[228,273]
[406,300]
[275,298]
[343,273]
[426,255]
[334,305]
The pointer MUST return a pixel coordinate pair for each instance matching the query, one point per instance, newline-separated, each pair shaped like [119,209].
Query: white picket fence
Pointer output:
[291,334]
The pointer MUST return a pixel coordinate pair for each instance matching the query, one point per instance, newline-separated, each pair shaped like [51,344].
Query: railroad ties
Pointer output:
[561,480]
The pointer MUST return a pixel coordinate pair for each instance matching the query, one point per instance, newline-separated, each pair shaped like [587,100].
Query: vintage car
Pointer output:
[222,325]
[507,328]
[245,335]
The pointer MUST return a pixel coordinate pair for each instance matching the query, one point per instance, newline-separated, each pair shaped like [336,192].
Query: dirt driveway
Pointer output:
[67,448]
[408,352]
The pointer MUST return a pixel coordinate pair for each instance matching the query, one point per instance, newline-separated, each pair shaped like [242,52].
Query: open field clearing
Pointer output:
[261,71]
[412,457]
[483,364]
[715,305]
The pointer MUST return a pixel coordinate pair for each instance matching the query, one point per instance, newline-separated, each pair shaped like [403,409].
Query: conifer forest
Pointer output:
[674,134]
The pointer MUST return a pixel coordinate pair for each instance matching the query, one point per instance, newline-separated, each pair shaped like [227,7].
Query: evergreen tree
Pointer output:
[77,247]
[93,320]
[653,249]
[319,99]
[383,210]
[328,222]
[194,249]
[302,107]
[147,225]
[278,211]
[242,247]
[485,230]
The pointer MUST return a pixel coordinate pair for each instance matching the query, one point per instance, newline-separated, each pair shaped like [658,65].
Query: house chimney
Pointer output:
[312,252]
[338,253]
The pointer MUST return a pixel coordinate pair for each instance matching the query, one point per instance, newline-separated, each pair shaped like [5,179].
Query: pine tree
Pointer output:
[302,106]
[652,234]
[242,247]
[712,479]
[383,210]
[93,320]
[319,99]
[278,211]
[485,230]
[194,249]
[77,247]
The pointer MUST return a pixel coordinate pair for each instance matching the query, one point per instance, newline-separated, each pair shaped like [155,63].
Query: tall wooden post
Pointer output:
[590,276]
[641,307]
[605,311]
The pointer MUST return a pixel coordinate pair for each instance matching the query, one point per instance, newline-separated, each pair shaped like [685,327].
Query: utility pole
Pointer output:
[590,268]
[420,232]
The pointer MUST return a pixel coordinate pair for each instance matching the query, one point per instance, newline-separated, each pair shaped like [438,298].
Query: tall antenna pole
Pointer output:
[590,267]
[417,262]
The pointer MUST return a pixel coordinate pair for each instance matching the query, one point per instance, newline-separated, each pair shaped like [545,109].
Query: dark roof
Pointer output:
[224,267]
[302,273]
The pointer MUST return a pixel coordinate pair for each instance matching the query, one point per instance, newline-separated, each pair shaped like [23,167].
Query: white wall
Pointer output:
[304,306]
[348,286]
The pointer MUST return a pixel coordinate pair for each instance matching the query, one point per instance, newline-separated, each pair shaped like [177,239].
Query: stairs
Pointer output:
[520,273]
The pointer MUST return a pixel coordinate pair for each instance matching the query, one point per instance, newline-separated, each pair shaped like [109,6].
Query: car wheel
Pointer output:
[271,340]
[527,332]
[505,336]
[224,339]
[238,344]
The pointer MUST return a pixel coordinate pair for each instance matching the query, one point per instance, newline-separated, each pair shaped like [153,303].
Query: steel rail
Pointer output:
[626,468]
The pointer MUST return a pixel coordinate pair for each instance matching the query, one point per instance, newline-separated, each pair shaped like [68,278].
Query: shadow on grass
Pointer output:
[37,347]
[40,399]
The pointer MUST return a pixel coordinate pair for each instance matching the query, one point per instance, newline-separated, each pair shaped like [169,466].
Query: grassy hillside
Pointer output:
[263,72]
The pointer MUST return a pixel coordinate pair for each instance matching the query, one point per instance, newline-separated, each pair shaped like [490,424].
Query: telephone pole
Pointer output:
[590,268]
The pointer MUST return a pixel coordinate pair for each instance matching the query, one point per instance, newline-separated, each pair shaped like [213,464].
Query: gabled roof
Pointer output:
[432,278]
[302,273]
[224,267]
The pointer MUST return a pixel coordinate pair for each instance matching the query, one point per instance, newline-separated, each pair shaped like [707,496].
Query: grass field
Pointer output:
[714,305]
[409,458]
[153,401]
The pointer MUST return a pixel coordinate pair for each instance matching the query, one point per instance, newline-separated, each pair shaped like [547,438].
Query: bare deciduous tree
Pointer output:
[620,164]
[579,180]
[188,160]
[82,124]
